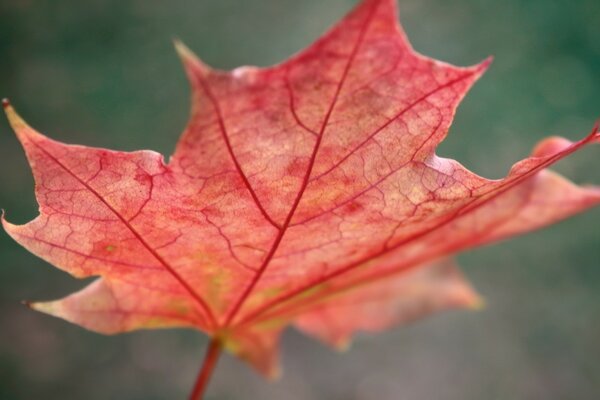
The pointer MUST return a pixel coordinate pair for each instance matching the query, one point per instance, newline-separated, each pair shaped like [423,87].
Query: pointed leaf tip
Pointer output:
[485,64]
[481,67]
[18,124]
[343,344]
[596,128]
[274,373]
[478,304]
[189,58]
[182,50]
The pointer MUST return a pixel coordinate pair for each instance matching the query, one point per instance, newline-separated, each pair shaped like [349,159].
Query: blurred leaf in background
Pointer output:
[104,73]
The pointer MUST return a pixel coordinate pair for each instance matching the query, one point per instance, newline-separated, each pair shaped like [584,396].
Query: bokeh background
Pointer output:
[104,73]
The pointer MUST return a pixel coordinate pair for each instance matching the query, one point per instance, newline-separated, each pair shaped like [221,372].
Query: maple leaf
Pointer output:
[306,193]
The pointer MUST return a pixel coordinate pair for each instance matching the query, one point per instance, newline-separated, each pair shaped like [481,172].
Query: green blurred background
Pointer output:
[104,73]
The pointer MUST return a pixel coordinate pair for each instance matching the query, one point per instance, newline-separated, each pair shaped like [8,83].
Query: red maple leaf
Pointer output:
[306,193]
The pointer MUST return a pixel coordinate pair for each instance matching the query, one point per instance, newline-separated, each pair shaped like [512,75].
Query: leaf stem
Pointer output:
[210,361]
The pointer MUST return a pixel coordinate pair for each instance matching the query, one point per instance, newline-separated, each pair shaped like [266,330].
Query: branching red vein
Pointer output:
[309,168]
[395,117]
[195,295]
[87,256]
[238,167]
[288,87]
[467,208]
[296,308]
[372,185]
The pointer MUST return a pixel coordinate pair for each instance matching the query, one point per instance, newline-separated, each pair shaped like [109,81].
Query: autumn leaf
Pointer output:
[307,193]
